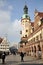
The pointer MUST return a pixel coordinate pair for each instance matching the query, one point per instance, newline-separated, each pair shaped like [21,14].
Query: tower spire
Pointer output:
[25,2]
[25,15]
[25,9]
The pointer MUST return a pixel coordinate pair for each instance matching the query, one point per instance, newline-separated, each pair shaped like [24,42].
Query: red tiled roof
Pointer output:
[40,14]
[1,40]
[32,23]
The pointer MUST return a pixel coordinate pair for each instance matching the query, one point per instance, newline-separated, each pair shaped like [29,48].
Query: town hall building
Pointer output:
[32,34]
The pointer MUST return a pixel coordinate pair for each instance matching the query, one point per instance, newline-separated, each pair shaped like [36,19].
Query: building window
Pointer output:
[33,39]
[23,21]
[25,35]
[36,38]
[26,20]
[32,49]
[32,28]
[40,36]
[21,46]
[26,30]
[35,49]
[39,48]
[1,45]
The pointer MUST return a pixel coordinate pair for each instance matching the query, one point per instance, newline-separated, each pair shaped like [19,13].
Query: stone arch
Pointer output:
[35,49]
[39,52]
[39,48]
[32,49]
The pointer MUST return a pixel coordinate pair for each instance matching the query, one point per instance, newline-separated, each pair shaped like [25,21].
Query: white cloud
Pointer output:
[10,28]
[4,21]
[10,7]
[2,3]
[4,16]
[6,26]
[14,30]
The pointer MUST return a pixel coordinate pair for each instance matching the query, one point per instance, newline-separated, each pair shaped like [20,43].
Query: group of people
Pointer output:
[4,55]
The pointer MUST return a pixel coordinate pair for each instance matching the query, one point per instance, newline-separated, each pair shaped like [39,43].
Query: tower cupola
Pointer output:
[25,15]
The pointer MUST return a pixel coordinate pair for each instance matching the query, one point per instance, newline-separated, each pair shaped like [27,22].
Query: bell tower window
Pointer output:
[26,30]
[25,35]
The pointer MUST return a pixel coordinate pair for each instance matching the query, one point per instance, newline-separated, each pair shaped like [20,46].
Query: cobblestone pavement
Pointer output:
[15,60]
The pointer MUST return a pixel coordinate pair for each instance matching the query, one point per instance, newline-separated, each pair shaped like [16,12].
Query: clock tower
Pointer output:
[26,24]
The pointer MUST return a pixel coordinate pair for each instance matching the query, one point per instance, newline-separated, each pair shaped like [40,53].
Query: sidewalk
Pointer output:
[29,59]
[15,60]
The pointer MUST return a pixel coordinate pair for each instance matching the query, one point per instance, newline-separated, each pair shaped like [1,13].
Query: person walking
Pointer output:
[22,55]
[3,57]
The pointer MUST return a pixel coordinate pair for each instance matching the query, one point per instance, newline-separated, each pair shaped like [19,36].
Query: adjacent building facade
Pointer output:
[4,45]
[32,34]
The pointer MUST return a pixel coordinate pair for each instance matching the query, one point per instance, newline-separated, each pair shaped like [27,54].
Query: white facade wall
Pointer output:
[4,46]
[25,26]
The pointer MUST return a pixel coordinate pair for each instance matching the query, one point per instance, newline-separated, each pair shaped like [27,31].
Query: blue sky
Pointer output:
[18,6]
[11,12]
